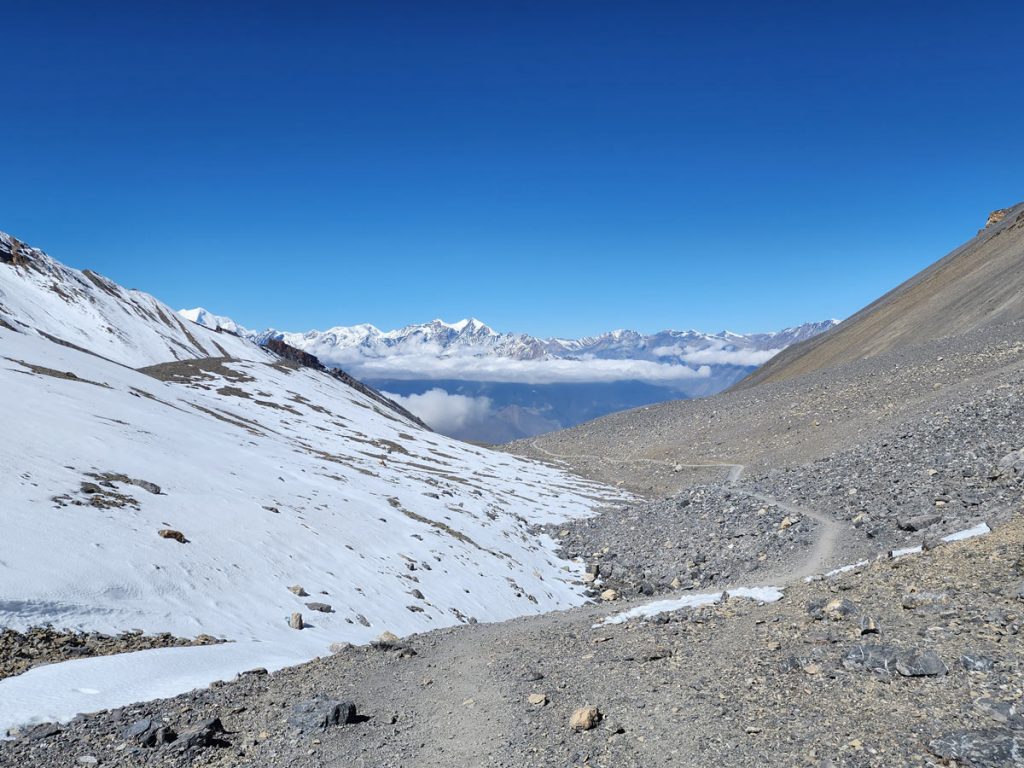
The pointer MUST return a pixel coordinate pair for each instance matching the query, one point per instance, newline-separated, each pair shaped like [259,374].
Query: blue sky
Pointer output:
[559,168]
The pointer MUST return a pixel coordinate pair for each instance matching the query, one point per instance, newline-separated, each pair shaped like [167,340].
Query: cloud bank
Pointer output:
[448,414]
[506,369]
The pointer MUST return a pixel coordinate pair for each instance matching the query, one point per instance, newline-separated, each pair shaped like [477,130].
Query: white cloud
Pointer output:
[447,413]
[721,356]
[547,371]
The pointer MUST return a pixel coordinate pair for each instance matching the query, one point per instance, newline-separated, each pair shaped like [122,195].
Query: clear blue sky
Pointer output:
[551,167]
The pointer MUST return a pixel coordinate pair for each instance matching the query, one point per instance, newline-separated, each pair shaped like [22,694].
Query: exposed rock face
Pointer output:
[996,216]
[13,252]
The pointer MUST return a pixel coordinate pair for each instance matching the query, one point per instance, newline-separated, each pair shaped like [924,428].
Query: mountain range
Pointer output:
[472,382]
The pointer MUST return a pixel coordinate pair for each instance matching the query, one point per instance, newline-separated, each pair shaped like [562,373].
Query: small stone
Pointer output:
[868,626]
[585,718]
[204,735]
[149,733]
[298,590]
[975,662]
[786,522]
[387,637]
[320,607]
[87,760]
[295,622]
[918,523]
[538,699]
[920,664]
[609,595]
[914,600]
[838,609]
[170,533]
[340,647]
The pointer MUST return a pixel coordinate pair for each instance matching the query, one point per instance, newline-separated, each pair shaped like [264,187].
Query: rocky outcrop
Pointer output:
[996,216]
[13,251]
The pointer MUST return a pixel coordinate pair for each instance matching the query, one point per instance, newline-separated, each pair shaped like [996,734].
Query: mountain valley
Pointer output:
[821,568]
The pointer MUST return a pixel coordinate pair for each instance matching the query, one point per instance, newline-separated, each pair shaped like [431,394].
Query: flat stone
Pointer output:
[920,664]
[975,662]
[994,748]
[918,523]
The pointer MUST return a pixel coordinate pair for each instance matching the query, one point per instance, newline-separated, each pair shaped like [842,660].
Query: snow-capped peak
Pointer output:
[202,317]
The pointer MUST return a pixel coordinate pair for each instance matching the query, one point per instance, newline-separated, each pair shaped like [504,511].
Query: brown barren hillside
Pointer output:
[978,284]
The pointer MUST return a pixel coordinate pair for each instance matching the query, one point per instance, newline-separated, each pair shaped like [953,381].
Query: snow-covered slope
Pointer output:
[277,476]
[40,295]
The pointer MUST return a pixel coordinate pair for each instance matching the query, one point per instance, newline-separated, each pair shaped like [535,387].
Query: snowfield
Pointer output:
[277,476]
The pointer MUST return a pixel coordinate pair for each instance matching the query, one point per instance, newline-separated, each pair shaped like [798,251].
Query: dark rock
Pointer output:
[42,731]
[871,658]
[1008,713]
[149,733]
[974,662]
[170,533]
[205,735]
[920,664]
[918,523]
[322,713]
[995,748]
[147,486]
[321,607]
[886,659]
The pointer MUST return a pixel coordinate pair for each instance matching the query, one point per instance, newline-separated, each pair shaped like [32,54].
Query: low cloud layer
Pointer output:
[447,413]
[504,369]
[718,355]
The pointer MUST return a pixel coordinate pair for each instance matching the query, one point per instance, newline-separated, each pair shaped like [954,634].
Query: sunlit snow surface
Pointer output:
[277,477]
[978,530]
[760,594]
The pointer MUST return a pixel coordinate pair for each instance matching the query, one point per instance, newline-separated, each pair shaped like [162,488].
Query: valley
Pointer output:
[823,567]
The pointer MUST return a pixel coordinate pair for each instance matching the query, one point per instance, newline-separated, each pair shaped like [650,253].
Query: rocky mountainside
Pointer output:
[978,284]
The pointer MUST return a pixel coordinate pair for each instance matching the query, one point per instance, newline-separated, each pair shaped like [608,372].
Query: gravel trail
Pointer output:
[829,530]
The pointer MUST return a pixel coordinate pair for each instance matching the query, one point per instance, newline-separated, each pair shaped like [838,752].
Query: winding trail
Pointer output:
[829,530]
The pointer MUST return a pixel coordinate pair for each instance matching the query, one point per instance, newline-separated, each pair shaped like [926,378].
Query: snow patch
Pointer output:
[760,594]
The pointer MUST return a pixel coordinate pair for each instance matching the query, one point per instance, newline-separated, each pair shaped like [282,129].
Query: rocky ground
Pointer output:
[703,536]
[20,651]
[909,662]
